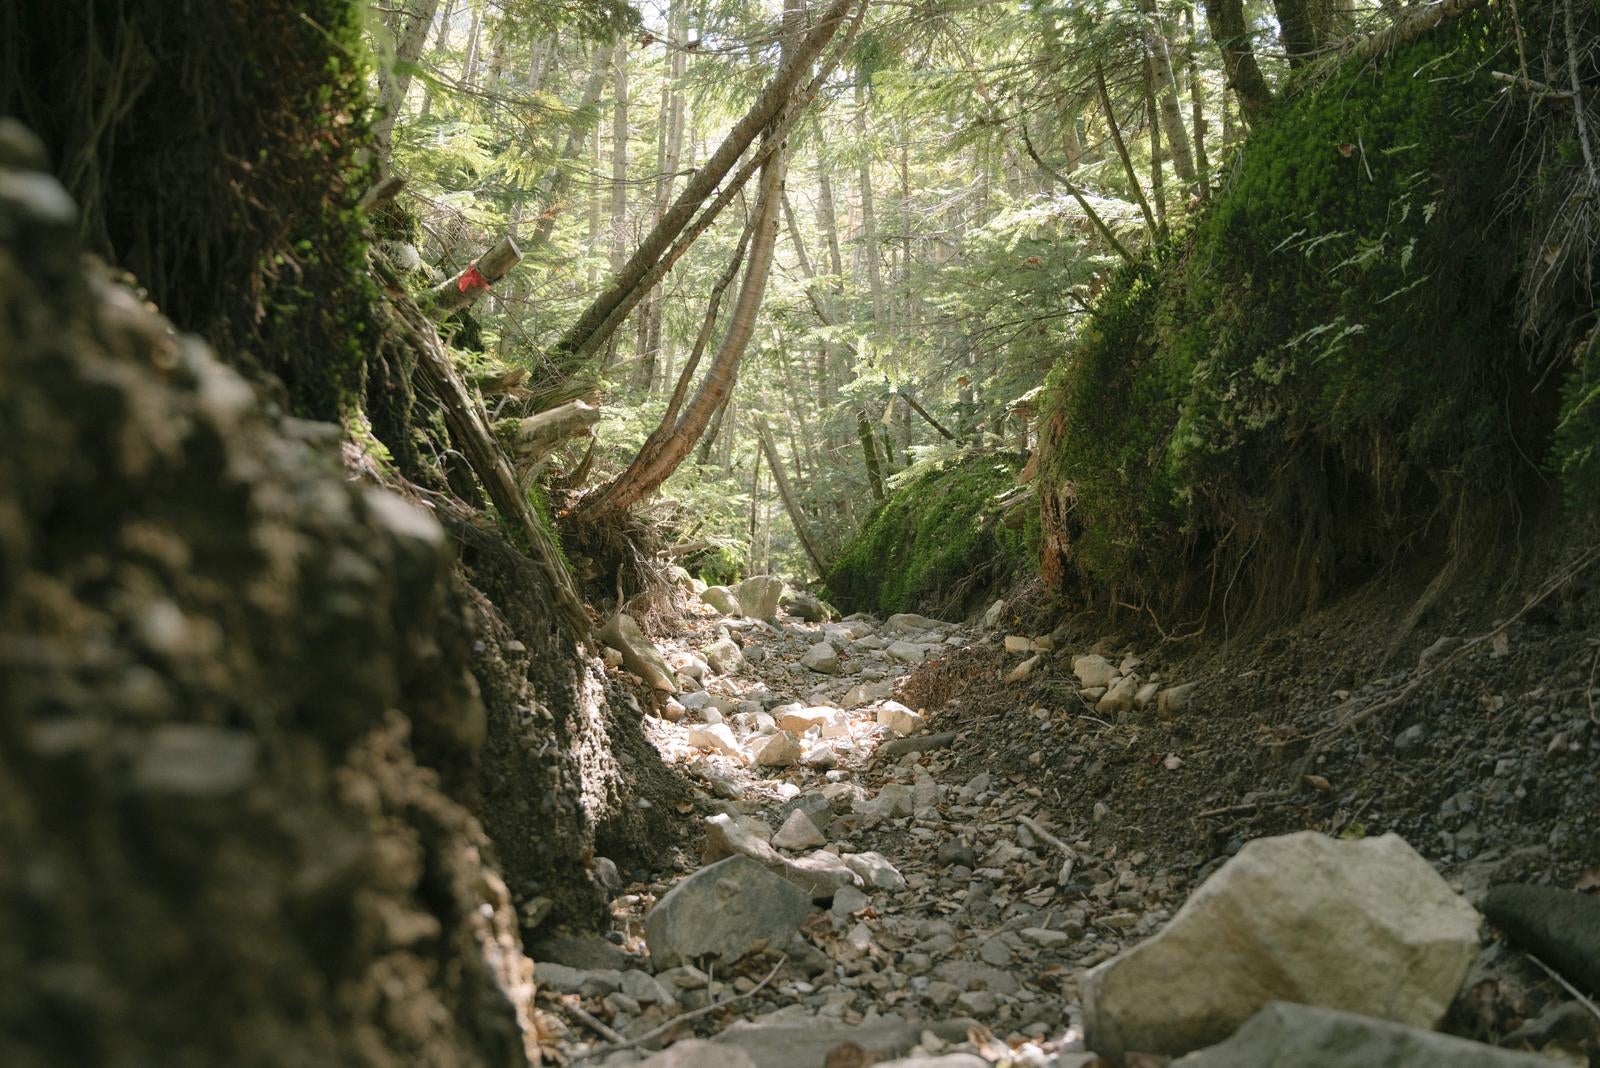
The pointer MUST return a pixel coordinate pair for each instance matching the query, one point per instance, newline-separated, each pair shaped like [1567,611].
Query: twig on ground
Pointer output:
[1568,987]
[1048,838]
[583,1016]
[620,1043]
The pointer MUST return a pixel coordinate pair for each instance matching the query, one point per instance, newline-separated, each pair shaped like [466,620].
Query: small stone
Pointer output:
[900,719]
[798,832]
[821,658]
[716,737]
[1024,669]
[1175,699]
[1016,643]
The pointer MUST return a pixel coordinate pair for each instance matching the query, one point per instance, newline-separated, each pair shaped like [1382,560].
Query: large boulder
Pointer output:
[1306,1036]
[727,910]
[1364,926]
[758,597]
[807,607]
[639,654]
[698,1053]
[822,658]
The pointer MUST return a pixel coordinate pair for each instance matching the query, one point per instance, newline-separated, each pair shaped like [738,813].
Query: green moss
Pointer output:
[718,566]
[938,543]
[1322,362]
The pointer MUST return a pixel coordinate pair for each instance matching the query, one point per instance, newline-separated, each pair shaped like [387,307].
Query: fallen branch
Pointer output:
[1568,987]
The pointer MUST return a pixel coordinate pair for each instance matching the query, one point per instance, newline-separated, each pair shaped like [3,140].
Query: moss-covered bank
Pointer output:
[939,543]
[1326,369]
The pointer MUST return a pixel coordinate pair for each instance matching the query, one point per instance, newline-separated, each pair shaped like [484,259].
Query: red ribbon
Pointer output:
[471,279]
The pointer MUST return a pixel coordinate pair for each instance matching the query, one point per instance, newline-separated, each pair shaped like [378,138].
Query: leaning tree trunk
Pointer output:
[774,97]
[791,505]
[409,42]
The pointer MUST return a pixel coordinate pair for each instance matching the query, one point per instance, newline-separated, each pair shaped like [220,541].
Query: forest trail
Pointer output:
[903,909]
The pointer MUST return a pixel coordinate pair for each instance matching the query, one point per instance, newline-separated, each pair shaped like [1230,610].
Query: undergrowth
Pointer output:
[939,543]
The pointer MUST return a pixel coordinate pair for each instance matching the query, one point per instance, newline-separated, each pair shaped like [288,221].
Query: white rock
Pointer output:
[900,719]
[716,737]
[639,653]
[726,910]
[1016,643]
[698,1053]
[1024,669]
[1361,926]
[1119,699]
[1146,695]
[721,598]
[991,618]
[875,870]
[798,832]
[759,596]
[800,720]
[724,656]
[779,751]
[1093,670]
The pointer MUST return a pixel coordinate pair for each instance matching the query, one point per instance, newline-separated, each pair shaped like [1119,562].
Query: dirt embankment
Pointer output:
[1480,744]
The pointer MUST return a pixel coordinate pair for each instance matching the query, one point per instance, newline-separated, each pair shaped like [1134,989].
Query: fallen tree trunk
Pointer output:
[539,435]
[920,410]
[474,280]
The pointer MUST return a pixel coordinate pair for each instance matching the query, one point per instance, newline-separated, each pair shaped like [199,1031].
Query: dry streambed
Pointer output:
[854,901]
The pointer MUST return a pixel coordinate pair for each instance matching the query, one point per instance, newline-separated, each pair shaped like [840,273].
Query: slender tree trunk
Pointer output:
[1158,190]
[469,69]
[1197,93]
[869,223]
[1167,92]
[619,172]
[1232,34]
[440,43]
[554,183]
[869,453]
[409,41]
[1122,152]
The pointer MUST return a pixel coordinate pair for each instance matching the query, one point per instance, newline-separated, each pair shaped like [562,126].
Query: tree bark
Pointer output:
[774,97]
[1228,29]
[906,396]
[1197,94]
[554,182]
[869,223]
[869,453]
[797,518]
[474,280]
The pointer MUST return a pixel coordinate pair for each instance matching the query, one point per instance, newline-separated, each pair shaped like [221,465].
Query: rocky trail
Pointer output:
[849,892]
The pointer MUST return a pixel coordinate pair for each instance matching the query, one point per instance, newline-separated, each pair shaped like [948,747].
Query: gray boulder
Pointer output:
[724,656]
[821,658]
[807,607]
[639,654]
[758,597]
[1560,927]
[698,1053]
[1305,1036]
[727,910]
[1365,926]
